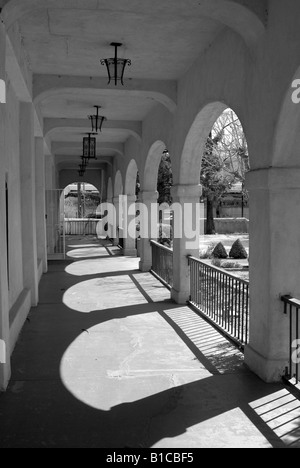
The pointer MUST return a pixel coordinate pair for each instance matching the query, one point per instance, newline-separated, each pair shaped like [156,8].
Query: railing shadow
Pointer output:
[62,393]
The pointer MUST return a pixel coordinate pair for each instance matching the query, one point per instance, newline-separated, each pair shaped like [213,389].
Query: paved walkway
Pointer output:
[107,360]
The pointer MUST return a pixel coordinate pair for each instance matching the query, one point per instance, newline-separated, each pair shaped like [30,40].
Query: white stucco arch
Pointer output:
[190,163]
[68,176]
[158,91]
[110,191]
[131,175]
[152,165]
[118,185]
[287,137]
[238,17]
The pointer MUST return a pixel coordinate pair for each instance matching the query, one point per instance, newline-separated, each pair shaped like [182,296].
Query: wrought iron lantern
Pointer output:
[81,171]
[89,147]
[116,66]
[97,121]
[84,161]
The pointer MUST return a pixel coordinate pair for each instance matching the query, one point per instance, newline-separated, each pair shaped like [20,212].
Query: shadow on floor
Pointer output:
[79,378]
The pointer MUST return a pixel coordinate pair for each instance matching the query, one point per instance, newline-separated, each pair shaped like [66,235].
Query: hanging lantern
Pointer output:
[81,171]
[116,66]
[97,121]
[84,161]
[89,147]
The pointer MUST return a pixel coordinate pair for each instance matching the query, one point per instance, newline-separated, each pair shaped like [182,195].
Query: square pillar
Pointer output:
[5,368]
[148,231]
[129,226]
[186,208]
[274,266]
[51,194]
[116,203]
[40,193]
[28,201]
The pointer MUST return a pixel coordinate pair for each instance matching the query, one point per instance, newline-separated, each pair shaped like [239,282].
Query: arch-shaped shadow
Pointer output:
[76,383]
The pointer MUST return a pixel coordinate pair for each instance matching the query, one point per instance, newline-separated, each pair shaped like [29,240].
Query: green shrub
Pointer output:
[219,251]
[207,252]
[217,262]
[231,265]
[238,251]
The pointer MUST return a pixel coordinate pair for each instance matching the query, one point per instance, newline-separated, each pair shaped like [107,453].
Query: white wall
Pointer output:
[12,165]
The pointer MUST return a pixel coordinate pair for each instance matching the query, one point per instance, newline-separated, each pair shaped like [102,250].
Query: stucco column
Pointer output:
[116,203]
[50,205]
[5,370]
[129,213]
[274,266]
[28,203]
[148,232]
[40,187]
[186,209]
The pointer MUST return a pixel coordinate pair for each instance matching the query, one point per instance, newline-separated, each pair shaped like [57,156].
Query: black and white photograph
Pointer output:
[150,226]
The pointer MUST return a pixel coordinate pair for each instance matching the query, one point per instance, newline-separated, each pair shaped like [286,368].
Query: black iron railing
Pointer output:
[162,263]
[222,297]
[291,308]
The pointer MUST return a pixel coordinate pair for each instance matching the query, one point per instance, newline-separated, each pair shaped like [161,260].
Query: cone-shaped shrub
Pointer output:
[238,251]
[219,251]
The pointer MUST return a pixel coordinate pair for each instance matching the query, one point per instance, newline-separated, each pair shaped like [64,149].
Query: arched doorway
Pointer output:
[71,212]
[154,189]
[215,154]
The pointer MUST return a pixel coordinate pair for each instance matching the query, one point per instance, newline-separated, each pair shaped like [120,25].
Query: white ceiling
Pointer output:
[161,37]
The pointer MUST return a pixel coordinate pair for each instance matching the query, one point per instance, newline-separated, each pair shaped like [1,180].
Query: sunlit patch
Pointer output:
[106,265]
[229,429]
[87,252]
[103,293]
[2,352]
[127,360]
[281,413]
[80,246]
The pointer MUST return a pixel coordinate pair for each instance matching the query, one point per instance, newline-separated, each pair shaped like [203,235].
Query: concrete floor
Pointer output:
[107,360]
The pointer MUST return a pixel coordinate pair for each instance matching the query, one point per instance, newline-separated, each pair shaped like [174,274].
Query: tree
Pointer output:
[224,163]
[138,186]
[165,180]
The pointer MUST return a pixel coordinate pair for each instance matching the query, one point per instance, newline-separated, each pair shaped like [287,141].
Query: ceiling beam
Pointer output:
[161,91]
[134,128]
[59,146]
